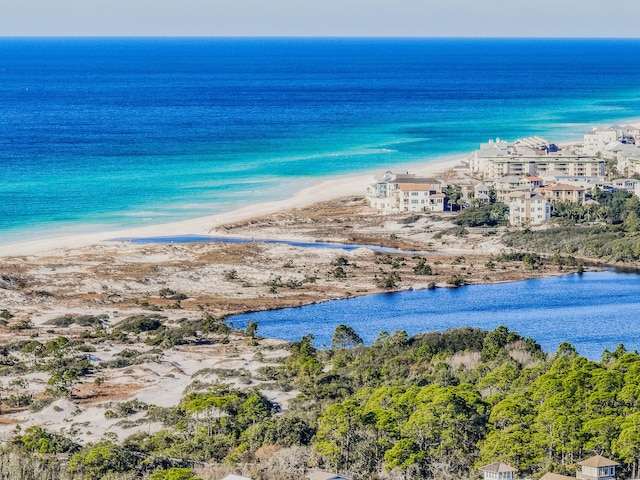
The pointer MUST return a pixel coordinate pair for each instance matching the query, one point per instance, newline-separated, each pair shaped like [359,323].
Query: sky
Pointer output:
[369,18]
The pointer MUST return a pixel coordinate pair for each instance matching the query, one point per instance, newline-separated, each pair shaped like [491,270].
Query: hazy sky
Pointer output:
[495,18]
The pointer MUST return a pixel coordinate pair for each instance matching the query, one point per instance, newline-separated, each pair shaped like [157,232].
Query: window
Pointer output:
[414,202]
[414,194]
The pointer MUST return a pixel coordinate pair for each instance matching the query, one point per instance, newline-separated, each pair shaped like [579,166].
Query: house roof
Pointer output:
[563,187]
[320,475]
[598,461]
[556,476]
[235,477]
[509,179]
[412,178]
[498,467]
[531,178]
[525,196]
[414,187]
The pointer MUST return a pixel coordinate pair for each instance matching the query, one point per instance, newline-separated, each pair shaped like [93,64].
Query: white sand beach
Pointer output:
[324,190]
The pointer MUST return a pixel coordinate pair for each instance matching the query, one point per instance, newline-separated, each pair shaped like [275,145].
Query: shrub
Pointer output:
[456,280]
[422,268]
[338,272]
[410,219]
[141,323]
[387,280]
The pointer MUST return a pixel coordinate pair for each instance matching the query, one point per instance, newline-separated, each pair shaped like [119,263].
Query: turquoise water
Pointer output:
[592,311]
[100,134]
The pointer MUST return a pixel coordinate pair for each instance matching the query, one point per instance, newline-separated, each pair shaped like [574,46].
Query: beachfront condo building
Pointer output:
[531,157]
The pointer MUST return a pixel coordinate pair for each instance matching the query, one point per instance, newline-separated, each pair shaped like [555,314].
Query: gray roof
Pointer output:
[498,467]
[509,179]
[556,476]
[598,461]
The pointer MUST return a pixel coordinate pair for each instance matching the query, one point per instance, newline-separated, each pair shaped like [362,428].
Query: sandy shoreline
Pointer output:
[325,190]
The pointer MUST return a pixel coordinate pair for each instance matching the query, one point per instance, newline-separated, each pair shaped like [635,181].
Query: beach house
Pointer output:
[561,192]
[397,193]
[528,208]
[594,468]
[498,471]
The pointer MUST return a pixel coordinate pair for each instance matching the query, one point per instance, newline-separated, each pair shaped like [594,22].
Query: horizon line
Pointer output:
[328,37]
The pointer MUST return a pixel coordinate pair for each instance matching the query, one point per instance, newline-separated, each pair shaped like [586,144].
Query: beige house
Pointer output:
[498,471]
[632,164]
[419,198]
[597,468]
[564,193]
[505,186]
[528,208]
[393,193]
[594,468]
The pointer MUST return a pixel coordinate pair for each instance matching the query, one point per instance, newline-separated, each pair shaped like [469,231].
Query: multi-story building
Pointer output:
[531,157]
[563,193]
[528,208]
[394,193]
[596,140]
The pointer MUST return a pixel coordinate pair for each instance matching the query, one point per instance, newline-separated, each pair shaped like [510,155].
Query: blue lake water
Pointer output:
[592,311]
[99,134]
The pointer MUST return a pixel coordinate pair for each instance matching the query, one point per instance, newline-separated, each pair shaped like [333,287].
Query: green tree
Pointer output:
[454,196]
[175,474]
[345,337]
[96,461]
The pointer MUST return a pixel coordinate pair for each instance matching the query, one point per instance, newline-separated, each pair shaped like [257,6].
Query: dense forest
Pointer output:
[436,405]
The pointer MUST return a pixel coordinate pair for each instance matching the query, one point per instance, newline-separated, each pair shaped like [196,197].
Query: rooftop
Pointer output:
[556,476]
[598,461]
[407,187]
[498,467]
[563,187]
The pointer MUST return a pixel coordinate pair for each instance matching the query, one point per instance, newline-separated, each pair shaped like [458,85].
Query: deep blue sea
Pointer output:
[592,311]
[99,134]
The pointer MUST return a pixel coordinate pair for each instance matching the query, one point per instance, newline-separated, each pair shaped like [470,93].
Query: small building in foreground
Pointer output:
[594,468]
[236,477]
[597,468]
[498,471]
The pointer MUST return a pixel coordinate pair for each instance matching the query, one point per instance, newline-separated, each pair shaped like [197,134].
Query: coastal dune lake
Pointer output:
[592,311]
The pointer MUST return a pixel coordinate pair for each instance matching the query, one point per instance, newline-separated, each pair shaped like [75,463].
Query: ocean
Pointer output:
[101,134]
